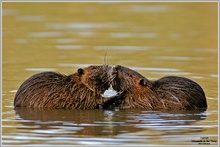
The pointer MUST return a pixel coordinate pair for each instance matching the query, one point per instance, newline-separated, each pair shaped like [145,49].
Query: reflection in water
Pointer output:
[124,48]
[66,40]
[84,25]
[95,122]
[44,34]
[128,126]
[8,12]
[68,47]
[150,9]
[21,41]
[179,58]
[30,18]
[40,69]
[133,35]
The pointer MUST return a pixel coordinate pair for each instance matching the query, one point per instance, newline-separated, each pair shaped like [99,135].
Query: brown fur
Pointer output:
[81,90]
[167,93]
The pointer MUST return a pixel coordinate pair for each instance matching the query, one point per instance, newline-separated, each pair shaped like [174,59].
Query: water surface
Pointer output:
[155,39]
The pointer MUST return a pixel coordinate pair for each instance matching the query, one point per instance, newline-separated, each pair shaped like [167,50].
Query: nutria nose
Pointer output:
[108,68]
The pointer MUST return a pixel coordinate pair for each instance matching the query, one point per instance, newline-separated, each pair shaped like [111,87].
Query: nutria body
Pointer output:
[167,93]
[81,90]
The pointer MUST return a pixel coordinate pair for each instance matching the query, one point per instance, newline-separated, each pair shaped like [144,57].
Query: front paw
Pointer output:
[99,106]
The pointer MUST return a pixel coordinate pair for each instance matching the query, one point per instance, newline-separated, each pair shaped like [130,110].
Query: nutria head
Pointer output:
[126,79]
[135,90]
[95,78]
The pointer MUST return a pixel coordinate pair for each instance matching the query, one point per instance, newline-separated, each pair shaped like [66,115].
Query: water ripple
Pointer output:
[44,34]
[84,25]
[149,8]
[180,58]
[124,48]
[40,69]
[30,18]
[133,35]
[134,68]
[69,47]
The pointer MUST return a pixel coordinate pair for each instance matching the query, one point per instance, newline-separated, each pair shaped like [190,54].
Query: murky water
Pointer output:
[156,39]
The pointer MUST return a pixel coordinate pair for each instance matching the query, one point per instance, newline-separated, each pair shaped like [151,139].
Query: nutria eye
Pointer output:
[80,71]
[143,82]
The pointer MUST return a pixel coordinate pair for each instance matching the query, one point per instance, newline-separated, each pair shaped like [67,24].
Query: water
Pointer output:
[155,39]
[105,127]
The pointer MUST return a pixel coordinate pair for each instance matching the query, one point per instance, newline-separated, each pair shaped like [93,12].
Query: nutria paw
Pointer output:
[113,101]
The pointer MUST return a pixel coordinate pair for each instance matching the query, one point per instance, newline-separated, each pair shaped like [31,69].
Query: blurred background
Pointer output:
[154,38]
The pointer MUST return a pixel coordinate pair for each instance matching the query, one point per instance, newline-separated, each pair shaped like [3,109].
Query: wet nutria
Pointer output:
[167,93]
[81,90]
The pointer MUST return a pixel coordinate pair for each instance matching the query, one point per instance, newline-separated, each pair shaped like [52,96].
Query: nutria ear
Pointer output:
[143,82]
[80,71]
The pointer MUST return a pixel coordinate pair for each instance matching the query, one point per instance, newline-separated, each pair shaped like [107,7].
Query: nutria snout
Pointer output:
[167,93]
[81,90]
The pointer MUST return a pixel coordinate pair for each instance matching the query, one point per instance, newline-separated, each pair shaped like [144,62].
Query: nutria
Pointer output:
[81,90]
[167,93]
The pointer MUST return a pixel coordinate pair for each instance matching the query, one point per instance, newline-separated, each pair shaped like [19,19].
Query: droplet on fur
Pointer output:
[109,93]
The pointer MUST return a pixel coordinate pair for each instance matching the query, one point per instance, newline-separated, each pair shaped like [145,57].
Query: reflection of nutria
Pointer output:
[81,90]
[77,122]
[167,93]
[99,122]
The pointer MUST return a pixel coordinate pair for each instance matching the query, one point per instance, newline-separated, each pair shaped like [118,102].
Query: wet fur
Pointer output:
[167,93]
[81,90]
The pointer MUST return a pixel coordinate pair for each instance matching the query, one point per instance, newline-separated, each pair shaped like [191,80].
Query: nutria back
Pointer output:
[168,93]
[81,90]
[180,92]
